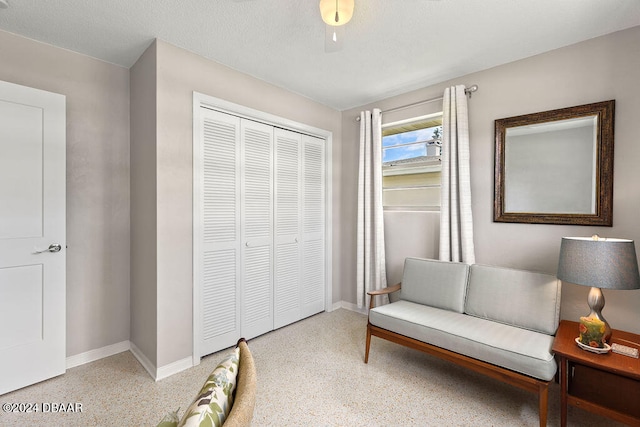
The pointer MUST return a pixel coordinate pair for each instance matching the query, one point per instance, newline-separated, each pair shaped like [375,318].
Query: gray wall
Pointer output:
[595,70]
[144,309]
[97,183]
[179,73]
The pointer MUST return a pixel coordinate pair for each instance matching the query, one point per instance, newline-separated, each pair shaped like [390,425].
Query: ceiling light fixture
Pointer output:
[336,12]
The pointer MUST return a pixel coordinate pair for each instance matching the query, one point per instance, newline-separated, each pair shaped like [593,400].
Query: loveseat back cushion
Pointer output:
[435,283]
[520,298]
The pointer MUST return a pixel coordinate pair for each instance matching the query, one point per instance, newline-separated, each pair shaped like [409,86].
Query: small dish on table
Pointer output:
[606,349]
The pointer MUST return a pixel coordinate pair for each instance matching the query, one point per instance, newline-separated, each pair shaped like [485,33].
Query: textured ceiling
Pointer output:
[391,46]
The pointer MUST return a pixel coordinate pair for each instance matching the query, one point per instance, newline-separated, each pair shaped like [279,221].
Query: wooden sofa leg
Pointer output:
[543,400]
[366,351]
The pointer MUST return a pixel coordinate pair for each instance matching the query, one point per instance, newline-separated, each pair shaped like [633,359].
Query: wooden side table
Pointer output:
[605,384]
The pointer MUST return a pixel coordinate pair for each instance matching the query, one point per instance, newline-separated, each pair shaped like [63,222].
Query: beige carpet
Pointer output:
[309,374]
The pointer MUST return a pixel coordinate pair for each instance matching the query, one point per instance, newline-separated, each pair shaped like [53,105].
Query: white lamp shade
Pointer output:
[344,9]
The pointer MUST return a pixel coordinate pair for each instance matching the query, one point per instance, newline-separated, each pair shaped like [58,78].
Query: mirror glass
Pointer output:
[555,167]
[567,184]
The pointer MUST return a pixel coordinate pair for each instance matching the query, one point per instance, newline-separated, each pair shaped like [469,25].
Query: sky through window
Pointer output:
[408,145]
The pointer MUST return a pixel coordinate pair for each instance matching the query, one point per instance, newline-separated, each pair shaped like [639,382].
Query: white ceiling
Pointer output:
[391,46]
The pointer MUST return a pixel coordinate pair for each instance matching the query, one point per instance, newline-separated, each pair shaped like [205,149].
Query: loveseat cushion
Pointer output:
[515,297]
[435,283]
[517,349]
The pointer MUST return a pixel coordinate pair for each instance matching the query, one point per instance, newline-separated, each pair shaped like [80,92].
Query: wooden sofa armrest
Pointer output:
[384,291]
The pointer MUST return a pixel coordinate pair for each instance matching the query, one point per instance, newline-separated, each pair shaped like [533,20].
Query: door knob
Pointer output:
[54,247]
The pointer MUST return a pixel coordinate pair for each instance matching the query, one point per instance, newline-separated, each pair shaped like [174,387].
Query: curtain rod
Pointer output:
[467,91]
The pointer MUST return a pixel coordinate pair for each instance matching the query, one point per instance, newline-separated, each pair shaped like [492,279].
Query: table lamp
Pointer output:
[600,263]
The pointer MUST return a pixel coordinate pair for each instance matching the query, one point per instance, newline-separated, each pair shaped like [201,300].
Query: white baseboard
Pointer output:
[156,373]
[96,354]
[350,306]
[163,371]
[144,361]
[173,368]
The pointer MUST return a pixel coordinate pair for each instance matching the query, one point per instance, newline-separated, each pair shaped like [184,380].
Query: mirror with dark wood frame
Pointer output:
[556,167]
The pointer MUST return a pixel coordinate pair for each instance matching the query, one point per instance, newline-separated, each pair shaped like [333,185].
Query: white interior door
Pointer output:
[287,227]
[313,237]
[257,228]
[217,272]
[260,224]
[32,236]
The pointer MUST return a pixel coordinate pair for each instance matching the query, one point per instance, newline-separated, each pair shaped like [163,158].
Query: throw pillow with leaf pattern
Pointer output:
[214,400]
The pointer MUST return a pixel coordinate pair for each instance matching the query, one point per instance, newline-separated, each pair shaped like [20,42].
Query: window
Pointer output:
[411,163]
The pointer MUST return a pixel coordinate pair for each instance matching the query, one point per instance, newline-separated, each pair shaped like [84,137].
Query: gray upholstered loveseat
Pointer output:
[496,321]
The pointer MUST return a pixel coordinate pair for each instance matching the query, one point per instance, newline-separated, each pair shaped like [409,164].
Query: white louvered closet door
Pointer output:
[313,219]
[220,230]
[288,198]
[257,228]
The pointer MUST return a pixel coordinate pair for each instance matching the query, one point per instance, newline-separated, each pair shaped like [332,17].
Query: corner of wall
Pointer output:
[143,291]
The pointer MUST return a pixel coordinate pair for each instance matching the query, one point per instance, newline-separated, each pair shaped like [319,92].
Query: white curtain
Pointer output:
[370,263]
[456,222]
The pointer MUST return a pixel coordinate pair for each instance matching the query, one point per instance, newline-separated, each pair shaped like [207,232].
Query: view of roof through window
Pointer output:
[412,143]
[411,163]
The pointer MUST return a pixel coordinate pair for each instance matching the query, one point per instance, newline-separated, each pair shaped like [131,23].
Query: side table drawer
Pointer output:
[616,392]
